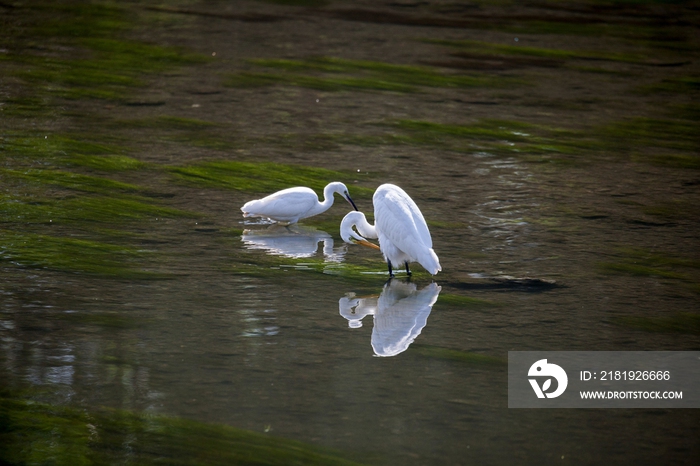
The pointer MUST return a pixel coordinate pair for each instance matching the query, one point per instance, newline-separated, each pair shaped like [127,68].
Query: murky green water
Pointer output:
[552,147]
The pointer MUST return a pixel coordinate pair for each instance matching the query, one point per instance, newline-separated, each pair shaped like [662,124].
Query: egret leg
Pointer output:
[408,272]
[391,272]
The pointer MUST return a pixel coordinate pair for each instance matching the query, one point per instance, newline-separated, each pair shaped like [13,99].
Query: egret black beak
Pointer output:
[347,196]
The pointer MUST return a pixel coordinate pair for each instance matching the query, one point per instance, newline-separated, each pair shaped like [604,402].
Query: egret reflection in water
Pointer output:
[400,313]
[295,241]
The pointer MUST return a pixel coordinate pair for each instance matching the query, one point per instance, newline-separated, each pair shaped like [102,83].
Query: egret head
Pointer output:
[340,188]
[348,233]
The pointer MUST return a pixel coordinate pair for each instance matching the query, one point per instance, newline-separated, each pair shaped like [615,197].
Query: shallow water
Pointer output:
[560,188]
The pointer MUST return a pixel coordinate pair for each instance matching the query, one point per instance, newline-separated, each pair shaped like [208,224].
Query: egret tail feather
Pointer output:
[430,262]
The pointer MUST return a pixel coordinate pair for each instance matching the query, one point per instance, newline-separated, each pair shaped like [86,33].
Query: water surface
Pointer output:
[551,147]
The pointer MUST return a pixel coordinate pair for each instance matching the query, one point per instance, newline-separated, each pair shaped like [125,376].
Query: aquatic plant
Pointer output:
[60,220]
[300,3]
[465,357]
[66,150]
[485,48]
[366,75]
[32,432]
[262,176]
[676,323]
[646,263]
[106,66]
[71,255]
[456,300]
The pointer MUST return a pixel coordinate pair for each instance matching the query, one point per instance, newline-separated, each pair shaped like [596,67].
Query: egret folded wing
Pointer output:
[400,220]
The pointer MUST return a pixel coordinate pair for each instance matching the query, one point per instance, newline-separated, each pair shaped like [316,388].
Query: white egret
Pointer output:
[295,241]
[400,227]
[293,204]
[400,313]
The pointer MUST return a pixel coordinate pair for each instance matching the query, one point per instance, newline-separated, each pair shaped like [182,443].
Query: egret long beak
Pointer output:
[349,199]
[364,242]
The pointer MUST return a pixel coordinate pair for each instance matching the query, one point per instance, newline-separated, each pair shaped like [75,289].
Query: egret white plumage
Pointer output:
[400,227]
[400,313]
[293,204]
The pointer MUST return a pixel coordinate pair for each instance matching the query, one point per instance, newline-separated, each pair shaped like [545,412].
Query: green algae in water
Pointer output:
[70,180]
[492,129]
[106,67]
[639,32]
[79,73]
[105,162]
[603,71]
[261,177]
[367,75]
[141,57]
[677,85]
[639,270]
[541,144]
[38,433]
[49,145]
[356,270]
[65,150]
[57,150]
[87,198]
[170,122]
[672,210]
[465,357]
[653,132]
[301,3]
[687,111]
[678,323]
[80,19]
[70,255]
[691,161]
[86,211]
[28,107]
[494,48]
[380,71]
[189,131]
[331,84]
[531,142]
[108,76]
[330,141]
[71,219]
[108,320]
[269,266]
[77,79]
[657,259]
[645,263]
[83,209]
[463,301]
[66,212]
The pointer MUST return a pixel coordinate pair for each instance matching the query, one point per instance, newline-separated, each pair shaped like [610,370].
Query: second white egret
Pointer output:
[293,204]
[400,227]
